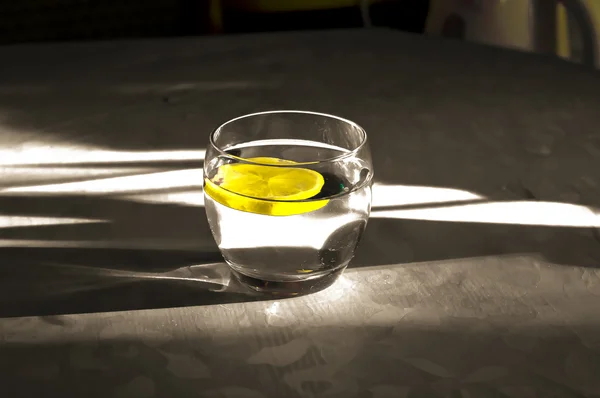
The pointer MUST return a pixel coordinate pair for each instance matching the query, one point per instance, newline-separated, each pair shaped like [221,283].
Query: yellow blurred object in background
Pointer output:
[275,6]
[288,5]
[562,33]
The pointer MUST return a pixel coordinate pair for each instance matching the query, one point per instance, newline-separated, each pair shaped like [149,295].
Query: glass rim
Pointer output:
[350,153]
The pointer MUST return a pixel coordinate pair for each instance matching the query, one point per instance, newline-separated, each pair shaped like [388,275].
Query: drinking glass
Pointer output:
[287,197]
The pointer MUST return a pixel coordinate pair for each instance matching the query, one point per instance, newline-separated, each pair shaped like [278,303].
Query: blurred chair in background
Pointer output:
[578,30]
[568,28]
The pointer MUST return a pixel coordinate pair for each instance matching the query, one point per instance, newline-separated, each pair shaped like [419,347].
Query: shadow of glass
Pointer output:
[140,256]
[38,282]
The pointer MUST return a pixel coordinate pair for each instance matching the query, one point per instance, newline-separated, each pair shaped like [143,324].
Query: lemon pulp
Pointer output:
[264,189]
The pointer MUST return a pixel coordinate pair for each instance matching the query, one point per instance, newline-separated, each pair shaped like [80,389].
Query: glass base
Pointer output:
[290,288]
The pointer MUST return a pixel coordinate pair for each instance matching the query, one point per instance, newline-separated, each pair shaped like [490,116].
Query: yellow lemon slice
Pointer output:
[245,187]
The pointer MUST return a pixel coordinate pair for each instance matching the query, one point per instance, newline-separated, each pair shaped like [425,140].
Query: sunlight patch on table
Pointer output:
[400,195]
[188,198]
[48,154]
[132,244]
[190,178]
[7,221]
[516,212]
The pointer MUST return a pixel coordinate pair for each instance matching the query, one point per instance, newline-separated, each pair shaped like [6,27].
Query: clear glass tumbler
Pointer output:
[288,196]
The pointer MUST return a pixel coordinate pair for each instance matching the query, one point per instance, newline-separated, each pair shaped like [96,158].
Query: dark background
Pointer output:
[61,20]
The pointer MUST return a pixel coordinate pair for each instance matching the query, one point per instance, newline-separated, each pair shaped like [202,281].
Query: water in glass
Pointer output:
[269,244]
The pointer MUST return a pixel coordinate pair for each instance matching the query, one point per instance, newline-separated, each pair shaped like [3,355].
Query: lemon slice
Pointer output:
[264,189]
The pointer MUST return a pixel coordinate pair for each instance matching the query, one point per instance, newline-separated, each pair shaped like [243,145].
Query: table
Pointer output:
[477,275]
